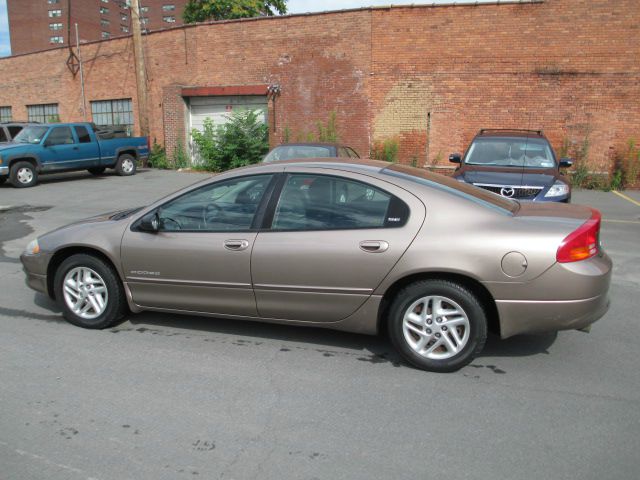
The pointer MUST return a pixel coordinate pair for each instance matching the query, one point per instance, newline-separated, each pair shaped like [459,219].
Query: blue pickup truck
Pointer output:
[59,147]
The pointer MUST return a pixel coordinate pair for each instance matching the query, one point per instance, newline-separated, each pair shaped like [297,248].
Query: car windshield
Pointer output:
[510,152]
[286,152]
[448,184]
[31,135]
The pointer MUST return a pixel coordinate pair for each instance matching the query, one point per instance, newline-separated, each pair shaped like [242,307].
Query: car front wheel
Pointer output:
[437,325]
[23,175]
[89,292]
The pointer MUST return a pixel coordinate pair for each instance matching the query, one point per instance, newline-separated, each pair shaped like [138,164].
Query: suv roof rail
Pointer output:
[485,130]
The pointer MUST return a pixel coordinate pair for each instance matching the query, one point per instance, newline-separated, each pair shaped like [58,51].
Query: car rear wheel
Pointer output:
[437,325]
[96,170]
[126,165]
[23,175]
[89,292]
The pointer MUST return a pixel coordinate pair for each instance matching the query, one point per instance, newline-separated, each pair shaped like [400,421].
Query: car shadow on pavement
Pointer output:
[373,349]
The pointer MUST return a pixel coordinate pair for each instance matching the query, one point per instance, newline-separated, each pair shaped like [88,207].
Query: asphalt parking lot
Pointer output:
[169,397]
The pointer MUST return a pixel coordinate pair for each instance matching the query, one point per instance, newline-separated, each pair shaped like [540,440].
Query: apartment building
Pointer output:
[37,25]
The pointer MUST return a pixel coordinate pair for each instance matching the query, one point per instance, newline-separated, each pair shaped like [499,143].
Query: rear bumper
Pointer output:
[517,317]
[567,296]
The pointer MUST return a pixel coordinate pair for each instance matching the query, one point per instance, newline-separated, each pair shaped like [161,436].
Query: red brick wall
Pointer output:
[567,66]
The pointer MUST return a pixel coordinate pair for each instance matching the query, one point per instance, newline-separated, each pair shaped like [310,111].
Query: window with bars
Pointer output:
[169,19]
[56,39]
[104,23]
[104,10]
[106,35]
[52,2]
[5,114]
[144,9]
[44,113]
[124,28]
[113,112]
[168,8]
[55,26]
[124,17]
[55,13]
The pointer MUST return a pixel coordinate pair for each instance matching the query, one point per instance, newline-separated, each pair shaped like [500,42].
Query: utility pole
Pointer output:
[141,82]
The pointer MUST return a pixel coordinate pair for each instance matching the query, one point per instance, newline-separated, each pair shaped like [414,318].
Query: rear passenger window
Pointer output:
[3,136]
[319,202]
[83,134]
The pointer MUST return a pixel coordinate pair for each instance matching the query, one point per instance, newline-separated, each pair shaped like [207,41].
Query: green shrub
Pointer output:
[158,156]
[243,140]
[386,150]
[180,157]
[328,132]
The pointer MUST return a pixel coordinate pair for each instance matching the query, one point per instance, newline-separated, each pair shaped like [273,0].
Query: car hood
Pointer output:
[10,146]
[509,176]
[81,232]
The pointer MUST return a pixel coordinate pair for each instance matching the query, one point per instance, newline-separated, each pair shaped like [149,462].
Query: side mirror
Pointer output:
[455,158]
[565,162]
[150,223]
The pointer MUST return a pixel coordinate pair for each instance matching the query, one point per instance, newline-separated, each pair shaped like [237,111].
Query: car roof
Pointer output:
[311,144]
[342,162]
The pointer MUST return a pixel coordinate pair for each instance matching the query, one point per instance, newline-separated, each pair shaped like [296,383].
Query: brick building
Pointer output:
[427,76]
[36,25]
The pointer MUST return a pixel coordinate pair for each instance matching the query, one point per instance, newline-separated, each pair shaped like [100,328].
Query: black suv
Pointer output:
[8,130]
[517,164]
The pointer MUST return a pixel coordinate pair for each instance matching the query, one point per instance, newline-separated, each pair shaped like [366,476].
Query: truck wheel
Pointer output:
[126,165]
[96,170]
[23,175]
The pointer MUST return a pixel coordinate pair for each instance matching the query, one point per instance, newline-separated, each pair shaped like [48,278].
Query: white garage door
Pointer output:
[220,108]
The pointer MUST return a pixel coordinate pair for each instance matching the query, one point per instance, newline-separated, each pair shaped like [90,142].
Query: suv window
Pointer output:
[60,136]
[285,152]
[320,202]
[3,135]
[226,206]
[83,134]
[510,152]
[13,131]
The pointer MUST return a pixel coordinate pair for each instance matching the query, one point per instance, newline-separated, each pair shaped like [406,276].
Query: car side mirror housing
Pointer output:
[150,223]
[565,162]
[455,158]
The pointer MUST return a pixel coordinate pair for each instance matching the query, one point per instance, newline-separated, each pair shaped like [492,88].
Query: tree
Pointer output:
[203,10]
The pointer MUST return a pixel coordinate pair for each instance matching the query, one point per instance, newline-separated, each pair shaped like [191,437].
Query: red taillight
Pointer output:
[583,243]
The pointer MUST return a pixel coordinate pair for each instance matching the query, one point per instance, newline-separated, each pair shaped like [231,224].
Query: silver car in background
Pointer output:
[356,245]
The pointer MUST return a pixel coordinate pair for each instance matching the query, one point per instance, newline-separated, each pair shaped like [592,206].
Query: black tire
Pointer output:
[96,170]
[126,165]
[116,304]
[455,292]
[2,180]
[18,172]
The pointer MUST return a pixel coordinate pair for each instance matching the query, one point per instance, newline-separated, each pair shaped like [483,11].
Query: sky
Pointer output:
[293,6]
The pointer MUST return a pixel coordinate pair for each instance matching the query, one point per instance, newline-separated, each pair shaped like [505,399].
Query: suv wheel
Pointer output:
[89,292]
[437,325]
[23,175]
[126,165]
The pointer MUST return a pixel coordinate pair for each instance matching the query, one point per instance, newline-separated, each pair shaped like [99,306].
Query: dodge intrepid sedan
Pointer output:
[356,245]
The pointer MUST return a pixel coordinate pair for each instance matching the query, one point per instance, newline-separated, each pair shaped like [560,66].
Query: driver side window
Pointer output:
[227,206]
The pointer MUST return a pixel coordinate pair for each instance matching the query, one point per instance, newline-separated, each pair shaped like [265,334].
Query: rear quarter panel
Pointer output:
[462,237]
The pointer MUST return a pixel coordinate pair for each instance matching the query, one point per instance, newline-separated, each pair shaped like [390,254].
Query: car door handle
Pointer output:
[76,148]
[374,246]
[236,245]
